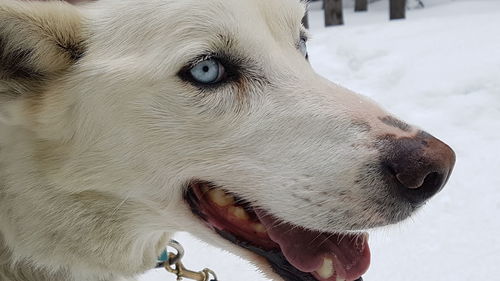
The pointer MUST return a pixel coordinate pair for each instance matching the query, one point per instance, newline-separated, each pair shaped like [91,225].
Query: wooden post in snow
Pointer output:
[361,5]
[397,9]
[333,12]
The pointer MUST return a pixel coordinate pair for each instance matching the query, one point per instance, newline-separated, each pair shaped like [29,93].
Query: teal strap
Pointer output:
[162,259]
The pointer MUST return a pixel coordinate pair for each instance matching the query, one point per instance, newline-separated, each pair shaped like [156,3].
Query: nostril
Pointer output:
[411,181]
[431,185]
[417,168]
[415,181]
[433,181]
[417,185]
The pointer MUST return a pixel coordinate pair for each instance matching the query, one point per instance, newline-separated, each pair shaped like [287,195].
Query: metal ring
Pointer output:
[209,272]
[180,251]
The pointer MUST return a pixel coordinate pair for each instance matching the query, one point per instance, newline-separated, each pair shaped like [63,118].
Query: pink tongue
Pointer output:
[306,249]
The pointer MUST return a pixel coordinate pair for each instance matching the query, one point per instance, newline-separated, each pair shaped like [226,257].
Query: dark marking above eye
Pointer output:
[393,122]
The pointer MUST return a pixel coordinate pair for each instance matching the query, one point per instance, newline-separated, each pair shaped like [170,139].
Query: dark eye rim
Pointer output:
[303,38]
[231,73]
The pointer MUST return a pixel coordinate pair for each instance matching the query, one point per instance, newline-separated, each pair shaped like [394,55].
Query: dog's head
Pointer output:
[209,112]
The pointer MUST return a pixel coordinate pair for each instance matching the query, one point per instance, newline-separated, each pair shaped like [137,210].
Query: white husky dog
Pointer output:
[124,121]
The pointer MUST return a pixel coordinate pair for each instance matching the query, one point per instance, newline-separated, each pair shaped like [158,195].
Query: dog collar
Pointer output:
[162,259]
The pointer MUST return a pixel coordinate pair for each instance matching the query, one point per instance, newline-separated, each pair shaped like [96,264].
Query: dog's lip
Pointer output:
[293,253]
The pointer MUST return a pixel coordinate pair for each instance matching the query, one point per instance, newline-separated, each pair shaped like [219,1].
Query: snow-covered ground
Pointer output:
[440,69]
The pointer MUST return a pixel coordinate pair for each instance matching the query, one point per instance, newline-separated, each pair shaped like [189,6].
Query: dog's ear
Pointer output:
[39,42]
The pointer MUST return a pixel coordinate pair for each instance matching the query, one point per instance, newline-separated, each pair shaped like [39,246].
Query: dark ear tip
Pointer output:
[15,64]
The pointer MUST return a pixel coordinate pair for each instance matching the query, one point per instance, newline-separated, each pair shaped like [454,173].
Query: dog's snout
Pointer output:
[419,166]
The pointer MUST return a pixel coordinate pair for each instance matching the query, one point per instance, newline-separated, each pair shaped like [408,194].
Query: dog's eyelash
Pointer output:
[200,59]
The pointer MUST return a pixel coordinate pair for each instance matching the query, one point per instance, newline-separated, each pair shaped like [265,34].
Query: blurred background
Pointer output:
[437,65]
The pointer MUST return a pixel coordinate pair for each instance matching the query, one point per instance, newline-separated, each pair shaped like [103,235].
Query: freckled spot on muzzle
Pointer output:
[362,125]
[396,123]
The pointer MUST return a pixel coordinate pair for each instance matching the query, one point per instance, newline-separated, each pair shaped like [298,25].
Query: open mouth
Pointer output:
[295,253]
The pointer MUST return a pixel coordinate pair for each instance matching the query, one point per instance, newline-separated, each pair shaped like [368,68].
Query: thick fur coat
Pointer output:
[100,136]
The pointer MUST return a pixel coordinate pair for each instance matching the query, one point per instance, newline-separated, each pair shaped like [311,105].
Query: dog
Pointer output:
[123,122]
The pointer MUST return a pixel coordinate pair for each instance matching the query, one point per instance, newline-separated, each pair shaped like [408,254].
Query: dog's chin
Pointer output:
[293,252]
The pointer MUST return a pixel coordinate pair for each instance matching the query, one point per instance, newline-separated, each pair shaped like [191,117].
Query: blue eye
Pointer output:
[303,47]
[209,71]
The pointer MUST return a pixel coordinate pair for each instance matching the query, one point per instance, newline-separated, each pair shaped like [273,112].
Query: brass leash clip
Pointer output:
[175,266]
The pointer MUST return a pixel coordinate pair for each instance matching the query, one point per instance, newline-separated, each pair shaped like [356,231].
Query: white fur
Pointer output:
[92,175]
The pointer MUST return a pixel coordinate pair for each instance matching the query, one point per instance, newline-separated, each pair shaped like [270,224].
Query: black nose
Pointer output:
[419,166]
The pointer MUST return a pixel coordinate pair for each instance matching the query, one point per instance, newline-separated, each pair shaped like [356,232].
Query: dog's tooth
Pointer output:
[326,270]
[259,228]
[340,279]
[221,198]
[239,212]
[365,236]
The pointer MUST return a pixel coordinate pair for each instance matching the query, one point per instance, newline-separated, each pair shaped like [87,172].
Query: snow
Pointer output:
[440,69]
